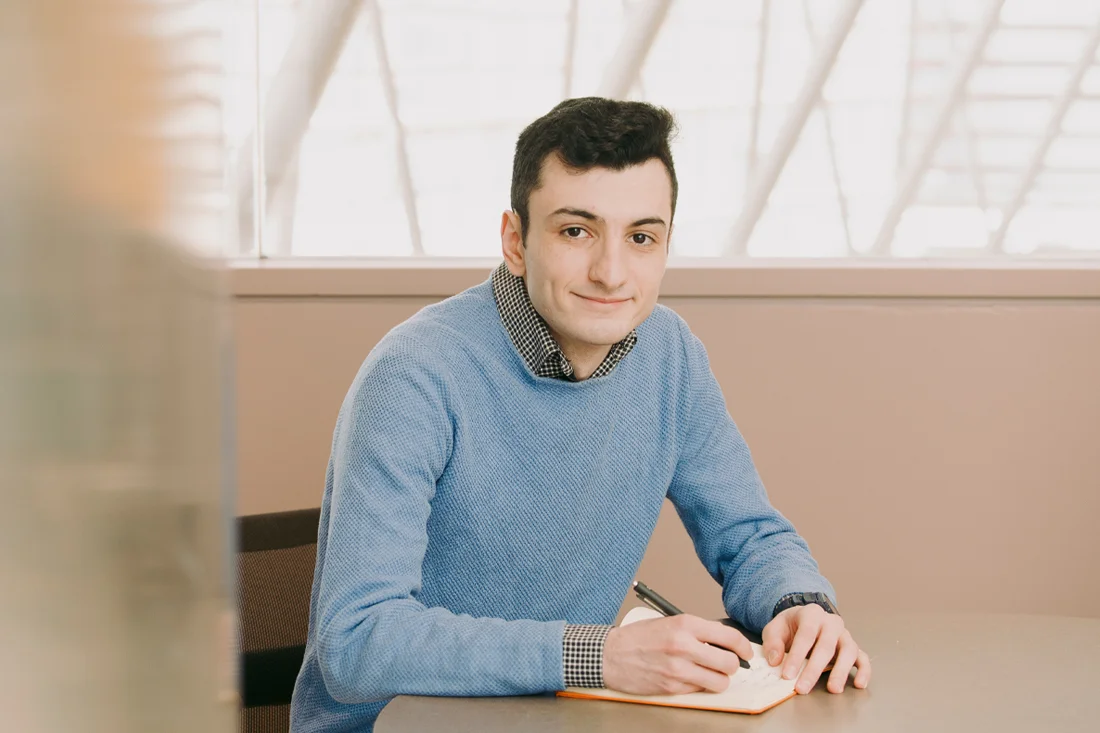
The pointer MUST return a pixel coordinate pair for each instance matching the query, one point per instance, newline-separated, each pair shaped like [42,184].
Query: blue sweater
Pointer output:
[471,509]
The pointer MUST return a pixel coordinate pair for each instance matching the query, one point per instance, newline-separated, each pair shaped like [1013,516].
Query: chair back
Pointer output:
[275,562]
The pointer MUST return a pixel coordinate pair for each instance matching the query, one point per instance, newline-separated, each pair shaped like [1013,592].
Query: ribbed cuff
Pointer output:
[582,654]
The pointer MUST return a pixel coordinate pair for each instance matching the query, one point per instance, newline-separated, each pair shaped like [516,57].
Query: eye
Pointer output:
[641,238]
[573,232]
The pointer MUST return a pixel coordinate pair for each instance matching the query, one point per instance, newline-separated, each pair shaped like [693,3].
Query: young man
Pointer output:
[501,458]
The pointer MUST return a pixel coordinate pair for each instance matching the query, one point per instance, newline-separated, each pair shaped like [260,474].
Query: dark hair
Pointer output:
[591,132]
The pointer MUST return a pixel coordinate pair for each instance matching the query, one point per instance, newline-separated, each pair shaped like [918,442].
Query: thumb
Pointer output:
[776,637]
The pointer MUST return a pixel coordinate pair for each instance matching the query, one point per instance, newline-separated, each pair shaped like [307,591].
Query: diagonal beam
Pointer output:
[322,28]
[910,73]
[970,135]
[914,175]
[638,87]
[278,240]
[758,90]
[830,138]
[571,21]
[1054,127]
[772,166]
[401,148]
[629,57]
[973,164]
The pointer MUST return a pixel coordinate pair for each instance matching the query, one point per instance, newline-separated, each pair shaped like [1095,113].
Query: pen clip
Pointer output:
[649,603]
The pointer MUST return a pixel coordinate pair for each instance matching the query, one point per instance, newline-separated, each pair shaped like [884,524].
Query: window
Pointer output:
[809,128]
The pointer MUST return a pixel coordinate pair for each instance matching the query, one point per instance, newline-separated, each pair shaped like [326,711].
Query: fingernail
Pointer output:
[773,657]
[803,688]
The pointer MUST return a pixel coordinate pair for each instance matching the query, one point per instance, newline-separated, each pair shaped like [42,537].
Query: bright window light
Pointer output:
[968,128]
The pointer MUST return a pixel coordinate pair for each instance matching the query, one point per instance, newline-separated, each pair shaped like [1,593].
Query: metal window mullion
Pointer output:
[1070,94]
[910,71]
[758,92]
[571,23]
[634,45]
[258,169]
[962,119]
[914,175]
[401,151]
[768,174]
[283,113]
[830,138]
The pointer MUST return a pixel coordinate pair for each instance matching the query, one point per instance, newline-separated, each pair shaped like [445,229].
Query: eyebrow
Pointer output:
[583,214]
[649,220]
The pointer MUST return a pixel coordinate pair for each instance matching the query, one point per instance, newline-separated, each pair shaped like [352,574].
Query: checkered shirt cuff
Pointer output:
[582,654]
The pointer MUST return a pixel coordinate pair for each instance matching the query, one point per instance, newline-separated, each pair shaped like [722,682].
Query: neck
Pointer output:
[585,358]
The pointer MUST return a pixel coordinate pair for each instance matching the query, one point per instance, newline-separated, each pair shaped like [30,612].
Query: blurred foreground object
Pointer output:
[113,521]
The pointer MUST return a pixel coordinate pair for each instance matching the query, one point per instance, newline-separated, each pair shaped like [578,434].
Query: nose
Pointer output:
[609,268]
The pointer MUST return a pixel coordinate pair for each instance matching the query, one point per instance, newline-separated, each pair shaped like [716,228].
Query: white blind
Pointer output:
[389,126]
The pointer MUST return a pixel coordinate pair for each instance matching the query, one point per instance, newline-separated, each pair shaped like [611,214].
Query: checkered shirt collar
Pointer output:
[532,336]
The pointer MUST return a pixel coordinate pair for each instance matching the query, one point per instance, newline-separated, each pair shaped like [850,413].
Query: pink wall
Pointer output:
[937,450]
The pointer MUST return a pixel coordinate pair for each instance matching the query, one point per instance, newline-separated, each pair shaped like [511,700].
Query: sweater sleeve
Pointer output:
[745,544]
[374,638]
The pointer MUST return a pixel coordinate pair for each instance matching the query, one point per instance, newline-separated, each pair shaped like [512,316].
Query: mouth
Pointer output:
[603,301]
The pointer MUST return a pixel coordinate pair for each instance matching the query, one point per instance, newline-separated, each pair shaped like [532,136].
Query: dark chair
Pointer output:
[274,578]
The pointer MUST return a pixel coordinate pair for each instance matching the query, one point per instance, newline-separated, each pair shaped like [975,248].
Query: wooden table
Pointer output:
[943,672]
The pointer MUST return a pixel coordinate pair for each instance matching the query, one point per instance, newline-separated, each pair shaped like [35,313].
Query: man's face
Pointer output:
[597,244]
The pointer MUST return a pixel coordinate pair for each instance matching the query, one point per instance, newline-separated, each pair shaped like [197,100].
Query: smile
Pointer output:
[604,301]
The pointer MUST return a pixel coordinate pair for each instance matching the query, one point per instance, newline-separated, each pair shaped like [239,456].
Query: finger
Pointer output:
[714,657]
[776,637]
[863,670]
[684,644]
[845,658]
[686,672]
[823,653]
[676,687]
[804,638]
[718,634]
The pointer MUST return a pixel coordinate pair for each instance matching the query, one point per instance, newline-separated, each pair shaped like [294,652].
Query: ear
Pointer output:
[511,243]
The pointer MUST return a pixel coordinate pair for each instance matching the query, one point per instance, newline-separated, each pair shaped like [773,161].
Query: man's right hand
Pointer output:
[671,656]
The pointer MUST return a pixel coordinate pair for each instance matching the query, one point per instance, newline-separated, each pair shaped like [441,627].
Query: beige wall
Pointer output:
[937,450]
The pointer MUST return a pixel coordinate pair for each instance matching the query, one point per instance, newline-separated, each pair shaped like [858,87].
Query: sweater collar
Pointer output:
[531,335]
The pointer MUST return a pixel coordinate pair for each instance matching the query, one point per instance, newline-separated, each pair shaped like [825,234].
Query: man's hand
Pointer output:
[800,629]
[671,656]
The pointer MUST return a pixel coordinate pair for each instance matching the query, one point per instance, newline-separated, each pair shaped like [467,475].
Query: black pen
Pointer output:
[657,602]
[654,600]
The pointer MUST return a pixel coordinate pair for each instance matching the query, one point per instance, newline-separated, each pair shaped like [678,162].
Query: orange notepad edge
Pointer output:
[587,696]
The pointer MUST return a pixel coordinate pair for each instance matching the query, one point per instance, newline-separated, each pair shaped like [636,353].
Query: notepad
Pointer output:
[751,691]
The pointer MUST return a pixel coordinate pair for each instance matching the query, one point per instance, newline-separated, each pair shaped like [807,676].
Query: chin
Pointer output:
[604,334]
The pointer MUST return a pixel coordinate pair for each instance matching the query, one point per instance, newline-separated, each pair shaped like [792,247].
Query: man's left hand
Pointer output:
[810,631]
